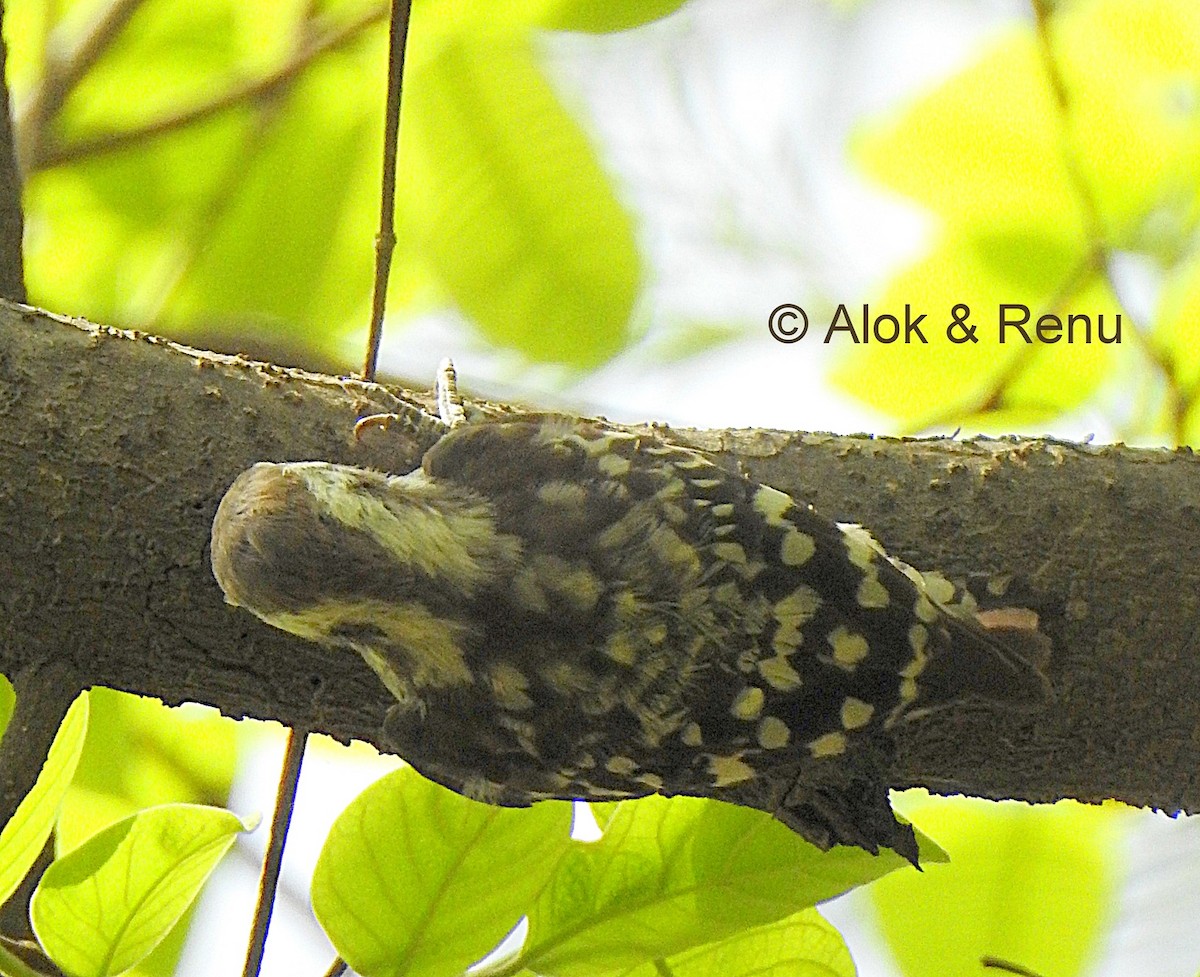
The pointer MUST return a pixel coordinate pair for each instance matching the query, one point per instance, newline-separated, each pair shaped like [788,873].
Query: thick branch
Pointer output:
[116,449]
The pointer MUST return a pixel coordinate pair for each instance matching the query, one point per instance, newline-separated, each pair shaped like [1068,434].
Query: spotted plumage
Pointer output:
[562,609]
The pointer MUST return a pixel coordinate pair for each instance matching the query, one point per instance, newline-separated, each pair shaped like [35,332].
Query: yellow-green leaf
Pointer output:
[604,16]
[7,701]
[139,753]
[414,879]
[1033,885]
[25,835]
[511,207]
[944,384]
[983,150]
[104,906]
[671,874]
[803,945]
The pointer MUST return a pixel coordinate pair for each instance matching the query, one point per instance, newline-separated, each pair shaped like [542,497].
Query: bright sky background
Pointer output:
[727,128]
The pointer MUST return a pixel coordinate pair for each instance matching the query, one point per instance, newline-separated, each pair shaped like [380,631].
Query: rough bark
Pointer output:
[115,449]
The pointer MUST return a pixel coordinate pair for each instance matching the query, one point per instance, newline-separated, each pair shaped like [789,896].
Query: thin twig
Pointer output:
[992,399]
[106,28]
[285,800]
[995,963]
[63,73]
[337,968]
[385,240]
[56,154]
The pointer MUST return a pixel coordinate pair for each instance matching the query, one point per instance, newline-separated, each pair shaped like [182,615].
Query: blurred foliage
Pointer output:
[1067,151]
[238,194]
[1031,885]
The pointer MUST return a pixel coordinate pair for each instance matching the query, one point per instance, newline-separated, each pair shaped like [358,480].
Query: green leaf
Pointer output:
[414,879]
[140,753]
[177,56]
[671,874]
[309,204]
[961,150]
[1026,193]
[245,217]
[1133,68]
[261,217]
[510,205]
[803,945]
[7,701]
[940,382]
[444,17]
[606,16]
[104,906]
[1034,885]
[25,835]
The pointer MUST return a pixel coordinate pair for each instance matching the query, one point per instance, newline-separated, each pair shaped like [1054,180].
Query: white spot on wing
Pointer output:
[849,648]
[773,733]
[797,548]
[727,770]
[748,703]
[831,744]
[771,504]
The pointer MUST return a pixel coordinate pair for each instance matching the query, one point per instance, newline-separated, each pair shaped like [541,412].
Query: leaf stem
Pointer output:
[1179,401]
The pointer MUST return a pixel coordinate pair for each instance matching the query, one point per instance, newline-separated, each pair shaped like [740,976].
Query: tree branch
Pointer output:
[117,447]
[12,217]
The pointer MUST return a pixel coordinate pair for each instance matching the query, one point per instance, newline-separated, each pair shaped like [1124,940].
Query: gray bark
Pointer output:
[115,449]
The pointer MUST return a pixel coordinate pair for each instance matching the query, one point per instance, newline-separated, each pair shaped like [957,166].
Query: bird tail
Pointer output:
[996,655]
